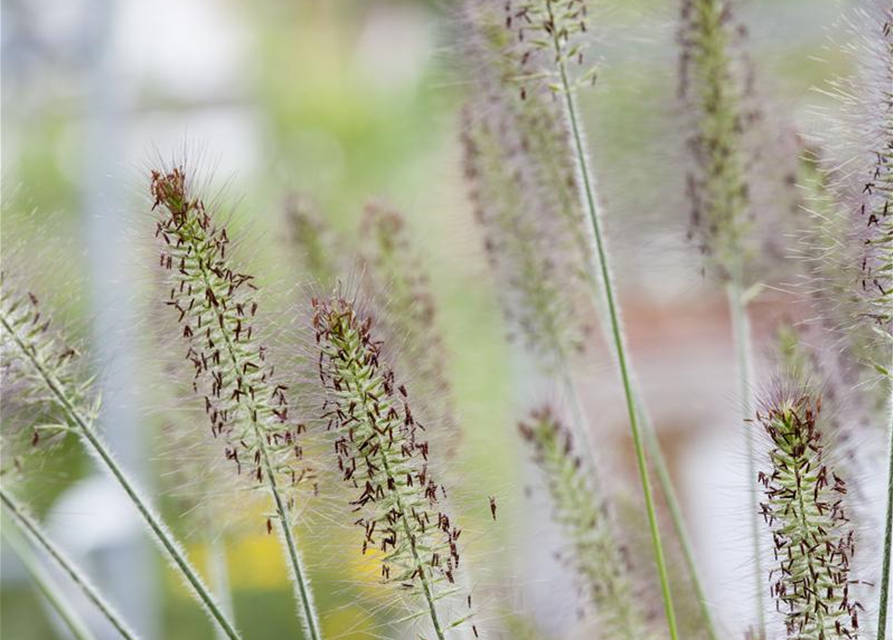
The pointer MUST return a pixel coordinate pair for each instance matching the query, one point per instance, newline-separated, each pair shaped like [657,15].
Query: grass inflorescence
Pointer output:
[381,453]
[805,511]
[245,403]
[596,553]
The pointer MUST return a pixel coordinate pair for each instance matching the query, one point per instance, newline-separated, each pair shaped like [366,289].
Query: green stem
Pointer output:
[743,355]
[888,536]
[218,575]
[162,536]
[663,476]
[294,556]
[619,345]
[47,586]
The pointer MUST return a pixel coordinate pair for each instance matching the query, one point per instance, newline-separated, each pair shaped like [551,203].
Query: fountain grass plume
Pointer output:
[381,454]
[805,511]
[44,369]
[862,208]
[395,274]
[596,554]
[245,402]
[714,88]
[524,188]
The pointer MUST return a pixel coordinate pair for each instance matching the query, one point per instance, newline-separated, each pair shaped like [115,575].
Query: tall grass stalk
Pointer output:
[554,22]
[218,576]
[744,357]
[884,600]
[28,339]
[537,234]
[35,532]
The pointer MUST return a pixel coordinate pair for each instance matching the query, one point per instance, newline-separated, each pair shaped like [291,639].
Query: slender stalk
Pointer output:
[743,355]
[218,575]
[883,605]
[48,587]
[35,533]
[294,557]
[85,430]
[619,344]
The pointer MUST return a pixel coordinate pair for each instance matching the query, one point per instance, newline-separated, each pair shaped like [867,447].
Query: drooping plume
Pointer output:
[805,511]
[381,453]
[595,551]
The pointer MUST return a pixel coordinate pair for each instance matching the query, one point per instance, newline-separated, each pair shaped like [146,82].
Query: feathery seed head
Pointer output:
[381,453]
[31,353]
[596,554]
[548,36]
[804,510]
[875,199]
[215,305]
[715,86]
[524,189]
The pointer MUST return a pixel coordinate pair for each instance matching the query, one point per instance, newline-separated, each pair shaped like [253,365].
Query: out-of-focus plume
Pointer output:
[524,188]
[596,554]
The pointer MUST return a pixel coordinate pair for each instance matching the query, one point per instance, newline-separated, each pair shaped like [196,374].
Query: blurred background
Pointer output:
[342,101]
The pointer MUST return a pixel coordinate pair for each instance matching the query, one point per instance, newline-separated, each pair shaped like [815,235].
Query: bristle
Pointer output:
[806,514]
[596,554]
[381,453]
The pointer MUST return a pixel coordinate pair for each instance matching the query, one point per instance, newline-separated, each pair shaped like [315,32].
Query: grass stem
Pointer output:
[744,356]
[619,345]
[46,585]
[85,430]
[883,604]
[34,531]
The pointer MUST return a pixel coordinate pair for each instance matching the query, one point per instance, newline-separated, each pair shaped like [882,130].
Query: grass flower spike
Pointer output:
[381,453]
[398,278]
[804,509]
[245,403]
[44,368]
[596,553]
[714,89]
